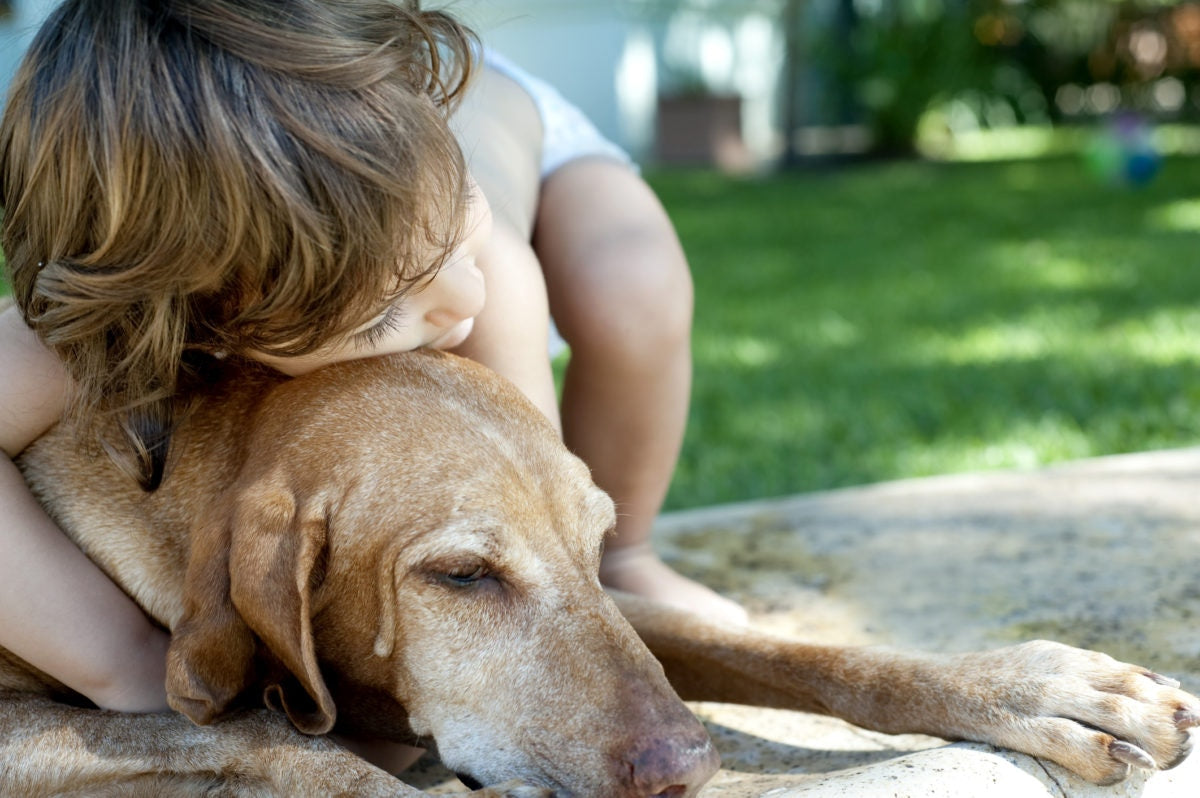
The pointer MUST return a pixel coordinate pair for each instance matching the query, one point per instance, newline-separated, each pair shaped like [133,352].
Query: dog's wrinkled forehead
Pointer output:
[423,411]
[419,441]
[493,507]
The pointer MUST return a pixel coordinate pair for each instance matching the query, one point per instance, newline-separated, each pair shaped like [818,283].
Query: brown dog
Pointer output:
[402,547]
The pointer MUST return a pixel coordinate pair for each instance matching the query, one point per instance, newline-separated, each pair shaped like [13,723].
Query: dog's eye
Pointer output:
[465,577]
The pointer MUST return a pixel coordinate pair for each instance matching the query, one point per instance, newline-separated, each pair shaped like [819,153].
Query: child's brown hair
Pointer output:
[197,176]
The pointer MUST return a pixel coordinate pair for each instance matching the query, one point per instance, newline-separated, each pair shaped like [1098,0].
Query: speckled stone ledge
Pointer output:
[963,770]
[1102,553]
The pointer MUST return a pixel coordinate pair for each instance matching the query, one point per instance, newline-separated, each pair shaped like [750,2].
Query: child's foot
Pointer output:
[637,569]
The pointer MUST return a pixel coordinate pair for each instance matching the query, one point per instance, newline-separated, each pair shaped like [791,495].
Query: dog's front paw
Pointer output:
[1084,710]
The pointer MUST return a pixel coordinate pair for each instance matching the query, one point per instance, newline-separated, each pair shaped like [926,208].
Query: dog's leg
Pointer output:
[47,748]
[1083,710]
[50,749]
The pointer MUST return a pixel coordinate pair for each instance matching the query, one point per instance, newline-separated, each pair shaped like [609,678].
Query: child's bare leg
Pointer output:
[621,294]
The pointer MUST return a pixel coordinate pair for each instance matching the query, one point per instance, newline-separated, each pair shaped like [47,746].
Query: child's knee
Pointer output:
[661,299]
[642,309]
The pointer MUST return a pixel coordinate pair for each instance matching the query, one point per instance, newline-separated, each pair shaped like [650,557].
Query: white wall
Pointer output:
[585,48]
[16,32]
[611,58]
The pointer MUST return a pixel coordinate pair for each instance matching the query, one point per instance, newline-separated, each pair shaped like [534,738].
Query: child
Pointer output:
[189,180]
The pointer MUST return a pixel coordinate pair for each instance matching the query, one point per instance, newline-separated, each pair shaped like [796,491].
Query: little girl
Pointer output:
[185,181]
[190,181]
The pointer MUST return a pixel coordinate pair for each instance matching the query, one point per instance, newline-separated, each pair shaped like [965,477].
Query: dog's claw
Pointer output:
[1187,718]
[1165,681]
[1131,755]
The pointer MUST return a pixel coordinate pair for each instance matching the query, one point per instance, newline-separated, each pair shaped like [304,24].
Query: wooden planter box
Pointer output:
[701,129]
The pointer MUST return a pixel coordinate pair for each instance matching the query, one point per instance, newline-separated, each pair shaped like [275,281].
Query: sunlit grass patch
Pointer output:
[907,319]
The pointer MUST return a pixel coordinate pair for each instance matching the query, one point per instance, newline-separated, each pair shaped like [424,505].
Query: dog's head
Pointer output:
[408,549]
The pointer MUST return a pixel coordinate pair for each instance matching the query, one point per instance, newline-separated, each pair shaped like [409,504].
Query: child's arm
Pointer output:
[58,611]
[500,132]
[511,335]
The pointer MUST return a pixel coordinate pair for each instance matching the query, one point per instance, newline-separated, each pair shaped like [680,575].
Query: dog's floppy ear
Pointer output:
[211,657]
[273,570]
[271,552]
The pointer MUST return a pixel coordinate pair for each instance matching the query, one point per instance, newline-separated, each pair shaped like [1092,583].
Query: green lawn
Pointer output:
[909,319]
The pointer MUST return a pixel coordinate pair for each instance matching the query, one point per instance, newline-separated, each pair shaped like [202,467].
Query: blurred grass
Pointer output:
[908,319]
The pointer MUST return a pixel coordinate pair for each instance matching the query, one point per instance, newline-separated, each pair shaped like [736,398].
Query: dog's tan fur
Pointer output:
[402,547]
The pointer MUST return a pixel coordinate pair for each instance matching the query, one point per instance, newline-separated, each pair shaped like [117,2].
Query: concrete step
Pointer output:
[1102,554]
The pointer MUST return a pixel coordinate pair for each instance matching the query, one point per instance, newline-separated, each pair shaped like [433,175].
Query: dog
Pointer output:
[403,548]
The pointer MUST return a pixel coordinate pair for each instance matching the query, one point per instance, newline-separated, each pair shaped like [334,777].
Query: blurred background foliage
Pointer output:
[888,64]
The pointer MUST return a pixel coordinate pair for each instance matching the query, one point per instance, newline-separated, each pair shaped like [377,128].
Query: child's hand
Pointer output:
[141,685]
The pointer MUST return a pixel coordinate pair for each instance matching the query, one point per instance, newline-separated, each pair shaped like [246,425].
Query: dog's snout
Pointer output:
[671,768]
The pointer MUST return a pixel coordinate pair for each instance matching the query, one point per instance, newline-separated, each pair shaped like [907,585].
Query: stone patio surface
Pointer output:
[1102,553]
